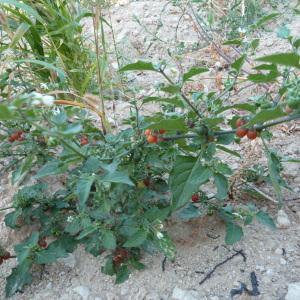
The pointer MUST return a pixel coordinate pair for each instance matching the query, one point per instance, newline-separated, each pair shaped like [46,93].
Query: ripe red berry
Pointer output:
[146,182]
[252,134]
[152,139]
[84,140]
[195,198]
[241,132]
[42,243]
[147,132]
[240,122]
[6,255]
[162,131]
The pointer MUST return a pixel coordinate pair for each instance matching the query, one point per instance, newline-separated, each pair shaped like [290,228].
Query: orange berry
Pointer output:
[162,131]
[152,139]
[241,132]
[147,132]
[252,134]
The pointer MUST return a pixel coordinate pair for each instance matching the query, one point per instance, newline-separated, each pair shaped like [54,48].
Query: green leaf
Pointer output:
[171,89]
[265,219]
[61,74]
[232,152]
[21,30]
[243,106]
[286,59]
[5,113]
[221,183]
[170,125]
[116,177]
[137,239]
[11,219]
[176,101]
[122,274]
[185,179]
[236,42]
[166,245]
[83,189]
[50,168]
[51,254]
[234,233]
[264,78]
[72,130]
[189,212]
[22,170]
[108,268]
[193,72]
[29,10]
[265,19]
[24,250]
[109,239]
[237,65]
[296,43]
[266,115]
[19,277]
[138,66]
[87,231]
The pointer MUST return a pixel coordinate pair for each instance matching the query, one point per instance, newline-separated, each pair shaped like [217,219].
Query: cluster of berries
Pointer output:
[120,256]
[17,136]
[6,255]
[242,131]
[153,136]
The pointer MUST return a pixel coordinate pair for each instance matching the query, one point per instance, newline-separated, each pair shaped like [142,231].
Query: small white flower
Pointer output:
[70,219]
[48,100]
[44,86]
[241,30]
[36,102]
[159,235]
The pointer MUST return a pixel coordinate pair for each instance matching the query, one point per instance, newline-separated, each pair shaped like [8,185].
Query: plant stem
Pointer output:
[6,208]
[224,132]
[186,99]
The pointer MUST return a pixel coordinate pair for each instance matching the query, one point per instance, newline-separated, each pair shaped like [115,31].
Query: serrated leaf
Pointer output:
[108,268]
[221,183]
[50,254]
[12,218]
[265,219]
[24,250]
[87,231]
[285,59]
[19,277]
[234,233]
[263,78]
[193,72]
[138,66]
[109,240]
[265,19]
[185,179]
[83,189]
[243,106]
[266,115]
[137,239]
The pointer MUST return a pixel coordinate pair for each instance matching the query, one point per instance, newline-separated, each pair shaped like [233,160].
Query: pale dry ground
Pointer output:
[197,252]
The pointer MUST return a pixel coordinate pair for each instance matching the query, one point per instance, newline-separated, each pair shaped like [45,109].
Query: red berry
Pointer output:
[162,131]
[147,132]
[241,132]
[146,182]
[152,139]
[252,134]
[195,198]
[6,255]
[240,122]
[42,243]
[84,140]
